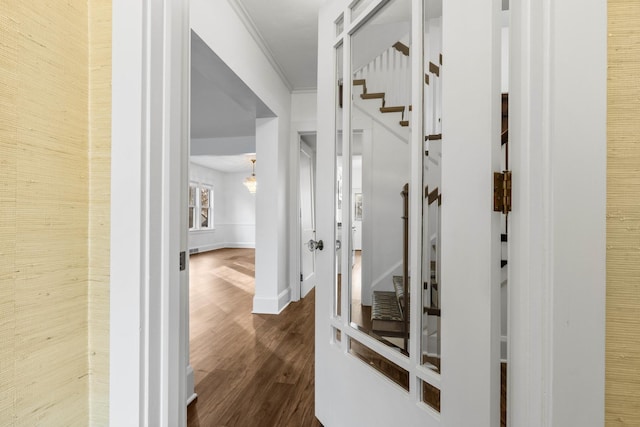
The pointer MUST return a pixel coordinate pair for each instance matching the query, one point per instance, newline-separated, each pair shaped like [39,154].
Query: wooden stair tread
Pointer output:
[432,311]
[433,68]
[402,48]
[377,95]
[392,109]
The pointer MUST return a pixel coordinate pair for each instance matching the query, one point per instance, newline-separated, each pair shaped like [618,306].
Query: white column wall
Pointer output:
[271,294]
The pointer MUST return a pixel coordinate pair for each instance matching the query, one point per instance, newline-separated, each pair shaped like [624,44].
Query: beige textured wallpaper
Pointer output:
[623,216]
[46,174]
[99,206]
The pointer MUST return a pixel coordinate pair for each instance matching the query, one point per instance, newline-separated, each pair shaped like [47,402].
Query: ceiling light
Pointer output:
[250,181]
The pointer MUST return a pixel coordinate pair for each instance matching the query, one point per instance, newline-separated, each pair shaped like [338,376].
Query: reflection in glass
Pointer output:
[431,395]
[340,25]
[338,182]
[431,245]
[358,8]
[380,171]
[399,375]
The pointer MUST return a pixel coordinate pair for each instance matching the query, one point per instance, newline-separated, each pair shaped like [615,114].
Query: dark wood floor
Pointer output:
[250,369]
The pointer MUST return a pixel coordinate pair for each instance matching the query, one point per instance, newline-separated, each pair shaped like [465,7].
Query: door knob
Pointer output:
[313,245]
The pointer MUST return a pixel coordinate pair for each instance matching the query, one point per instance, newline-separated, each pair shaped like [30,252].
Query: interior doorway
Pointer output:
[306,208]
[222,164]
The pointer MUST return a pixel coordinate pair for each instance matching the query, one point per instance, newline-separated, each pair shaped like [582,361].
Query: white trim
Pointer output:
[150,135]
[529,393]
[294,230]
[241,245]
[216,246]
[127,399]
[557,228]
[244,16]
[190,386]
[298,129]
[303,91]
[263,305]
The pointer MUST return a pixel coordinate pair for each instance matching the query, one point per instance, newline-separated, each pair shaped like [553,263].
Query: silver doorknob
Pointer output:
[313,245]
[338,245]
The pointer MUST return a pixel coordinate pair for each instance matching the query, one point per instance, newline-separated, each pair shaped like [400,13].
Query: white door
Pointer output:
[408,329]
[307,219]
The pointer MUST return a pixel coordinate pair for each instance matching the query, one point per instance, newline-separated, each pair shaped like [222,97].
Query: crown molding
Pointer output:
[242,13]
[305,90]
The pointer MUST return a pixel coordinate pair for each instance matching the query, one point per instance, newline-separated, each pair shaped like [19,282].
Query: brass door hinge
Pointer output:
[502,192]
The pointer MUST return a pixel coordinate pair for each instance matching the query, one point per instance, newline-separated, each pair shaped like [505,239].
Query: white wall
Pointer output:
[356,187]
[225,32]
[304,108]
[233,211]
[240,212]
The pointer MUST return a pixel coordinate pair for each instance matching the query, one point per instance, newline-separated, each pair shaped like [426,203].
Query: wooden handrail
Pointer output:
[405,263]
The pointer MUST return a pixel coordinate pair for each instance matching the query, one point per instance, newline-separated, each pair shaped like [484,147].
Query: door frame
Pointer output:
[559,197]
[297,131]
[149,181]
[301,292]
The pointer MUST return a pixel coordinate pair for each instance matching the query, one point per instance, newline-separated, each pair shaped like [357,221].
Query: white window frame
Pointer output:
[197,224]
[192,215]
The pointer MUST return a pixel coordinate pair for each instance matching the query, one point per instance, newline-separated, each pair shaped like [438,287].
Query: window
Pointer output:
[205,208]
[200,207]
[193,206]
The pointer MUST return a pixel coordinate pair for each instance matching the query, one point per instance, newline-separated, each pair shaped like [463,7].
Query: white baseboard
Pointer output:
[216,246]
[206,248]
[241,245]
[190,386]
[262,305]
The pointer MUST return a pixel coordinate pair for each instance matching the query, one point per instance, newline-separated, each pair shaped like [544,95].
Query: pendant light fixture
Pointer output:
[250,181]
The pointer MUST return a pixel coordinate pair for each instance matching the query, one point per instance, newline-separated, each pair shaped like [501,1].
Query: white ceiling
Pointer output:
[227,164]
[289,29]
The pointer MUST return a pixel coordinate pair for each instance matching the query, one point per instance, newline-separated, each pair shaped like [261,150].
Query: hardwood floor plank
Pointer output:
[250,369]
